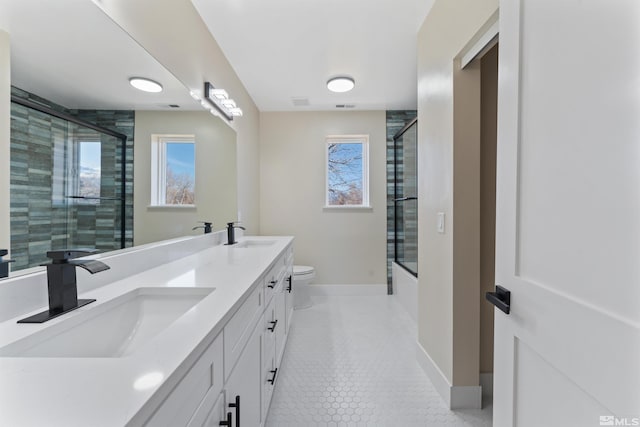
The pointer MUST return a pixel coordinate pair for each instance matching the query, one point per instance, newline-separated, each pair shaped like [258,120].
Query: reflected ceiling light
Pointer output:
[219,94]
[147,381]
[341,84]
[145,85]
[236,112]
[219,99]
[228,103]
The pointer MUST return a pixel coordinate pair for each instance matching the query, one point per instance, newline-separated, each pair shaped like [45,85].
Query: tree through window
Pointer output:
[347,171]
[173,170]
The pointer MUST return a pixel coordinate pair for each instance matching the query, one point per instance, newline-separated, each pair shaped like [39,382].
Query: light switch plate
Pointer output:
[441,222]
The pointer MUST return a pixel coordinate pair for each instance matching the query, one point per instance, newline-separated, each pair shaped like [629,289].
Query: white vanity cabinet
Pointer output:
[232,383]
[243,388]
[193,394]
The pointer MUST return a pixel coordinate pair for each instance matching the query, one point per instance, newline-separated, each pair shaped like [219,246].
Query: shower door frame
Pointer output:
[396,199]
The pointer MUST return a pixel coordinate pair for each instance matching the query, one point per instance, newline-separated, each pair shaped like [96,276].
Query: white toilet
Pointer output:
[302,277]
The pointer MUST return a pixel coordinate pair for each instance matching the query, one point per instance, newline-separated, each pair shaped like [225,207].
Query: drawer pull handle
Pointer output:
[272,284]
[227,422]
[237,406]
[273,325]
[289,287]
[273,378]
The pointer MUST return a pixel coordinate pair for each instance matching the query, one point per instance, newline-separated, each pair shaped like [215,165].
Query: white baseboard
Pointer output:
[466,397]
[455,397]
[347,290]
[486,382]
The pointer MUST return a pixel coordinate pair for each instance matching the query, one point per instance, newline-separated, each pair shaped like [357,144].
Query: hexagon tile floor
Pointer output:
[350,361]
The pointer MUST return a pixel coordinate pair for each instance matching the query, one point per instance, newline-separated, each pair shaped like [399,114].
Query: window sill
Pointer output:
[171,207]
[347,208]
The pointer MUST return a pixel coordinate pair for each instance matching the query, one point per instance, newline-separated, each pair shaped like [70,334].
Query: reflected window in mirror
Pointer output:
[173,171]
[87,172]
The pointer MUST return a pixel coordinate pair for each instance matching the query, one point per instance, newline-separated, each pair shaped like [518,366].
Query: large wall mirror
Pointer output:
[84,142]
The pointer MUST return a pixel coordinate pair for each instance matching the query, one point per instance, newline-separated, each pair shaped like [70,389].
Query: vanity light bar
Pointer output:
[219,99]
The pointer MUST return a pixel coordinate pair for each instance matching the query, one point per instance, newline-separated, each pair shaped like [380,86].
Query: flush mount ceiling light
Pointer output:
[341,84]
[145,85]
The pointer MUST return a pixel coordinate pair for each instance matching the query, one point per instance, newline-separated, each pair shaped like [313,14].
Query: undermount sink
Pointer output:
[254,243]
[116,328]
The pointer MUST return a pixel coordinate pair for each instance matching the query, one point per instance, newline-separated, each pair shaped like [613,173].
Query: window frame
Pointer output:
[349,139]
[159,168]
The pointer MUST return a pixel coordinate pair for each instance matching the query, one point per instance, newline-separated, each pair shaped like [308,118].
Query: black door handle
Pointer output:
[289,287]
[273,325]
[237,406]
[273,284]
[501,298]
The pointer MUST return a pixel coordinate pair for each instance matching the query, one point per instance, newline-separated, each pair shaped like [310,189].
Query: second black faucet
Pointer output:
[231,233]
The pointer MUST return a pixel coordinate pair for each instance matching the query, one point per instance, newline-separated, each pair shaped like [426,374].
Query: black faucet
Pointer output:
[4,264]
[207,227]
[62,285]
[231,232]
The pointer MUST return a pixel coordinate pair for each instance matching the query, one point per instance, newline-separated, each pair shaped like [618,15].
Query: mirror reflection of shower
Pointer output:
[405,163]
[67,183]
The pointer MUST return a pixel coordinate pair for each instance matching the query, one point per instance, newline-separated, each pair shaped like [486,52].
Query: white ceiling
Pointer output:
[284,49]
[70,52]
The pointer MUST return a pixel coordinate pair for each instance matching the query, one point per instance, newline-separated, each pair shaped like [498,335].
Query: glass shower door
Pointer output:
[67,184]
[92,191]
[406,197]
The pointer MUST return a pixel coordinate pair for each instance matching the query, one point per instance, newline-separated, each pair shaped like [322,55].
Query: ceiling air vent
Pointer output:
[300,102]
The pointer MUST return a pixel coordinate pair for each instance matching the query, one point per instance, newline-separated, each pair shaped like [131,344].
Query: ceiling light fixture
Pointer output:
[145,85]
[219,99]
[341,84]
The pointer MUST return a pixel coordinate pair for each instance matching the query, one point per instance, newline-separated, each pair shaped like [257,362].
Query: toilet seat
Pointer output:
[302,270]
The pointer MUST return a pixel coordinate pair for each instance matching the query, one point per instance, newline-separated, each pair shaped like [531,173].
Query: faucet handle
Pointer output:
[65,255]
[4,252]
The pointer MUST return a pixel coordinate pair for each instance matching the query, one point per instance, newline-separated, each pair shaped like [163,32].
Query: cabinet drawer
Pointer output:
[210,412]
[274,280]
[269,336]
[288,255]
[238,330]
[204,378]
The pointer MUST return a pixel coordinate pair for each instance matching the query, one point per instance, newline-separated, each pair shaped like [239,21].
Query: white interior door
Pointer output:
[568,214]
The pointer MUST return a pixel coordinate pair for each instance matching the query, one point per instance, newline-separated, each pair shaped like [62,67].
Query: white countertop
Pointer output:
[85,392]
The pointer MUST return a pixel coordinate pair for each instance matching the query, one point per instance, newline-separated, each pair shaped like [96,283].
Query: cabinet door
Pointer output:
[269,375]
[245,381]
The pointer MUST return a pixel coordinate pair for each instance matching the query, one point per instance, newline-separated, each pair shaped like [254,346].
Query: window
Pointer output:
[347,171]
[173,170]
